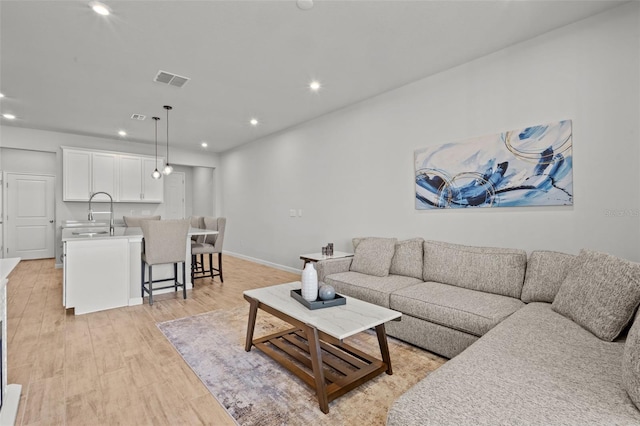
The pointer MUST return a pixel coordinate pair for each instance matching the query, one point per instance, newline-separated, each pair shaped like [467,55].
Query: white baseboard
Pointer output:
[264,262]
[133,301]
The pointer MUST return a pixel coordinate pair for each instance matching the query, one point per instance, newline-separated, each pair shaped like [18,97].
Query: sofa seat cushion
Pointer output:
[471,311]
[537,367]
[369,288]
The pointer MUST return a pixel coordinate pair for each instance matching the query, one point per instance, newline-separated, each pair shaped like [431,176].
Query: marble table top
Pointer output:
[337,321]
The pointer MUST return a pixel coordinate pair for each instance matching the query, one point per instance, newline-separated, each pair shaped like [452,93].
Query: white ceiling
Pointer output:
[65,68]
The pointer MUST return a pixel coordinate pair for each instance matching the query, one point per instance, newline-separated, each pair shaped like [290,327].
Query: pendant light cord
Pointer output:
[167,107]
[156,120]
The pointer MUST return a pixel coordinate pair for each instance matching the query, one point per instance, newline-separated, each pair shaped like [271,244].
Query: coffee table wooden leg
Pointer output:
[316,362]
[384,347]
[253,313]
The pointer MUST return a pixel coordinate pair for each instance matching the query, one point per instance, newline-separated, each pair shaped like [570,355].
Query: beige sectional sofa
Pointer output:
[537,340]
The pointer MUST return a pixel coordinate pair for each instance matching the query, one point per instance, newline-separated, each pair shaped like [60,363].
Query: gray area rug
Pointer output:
[256,390]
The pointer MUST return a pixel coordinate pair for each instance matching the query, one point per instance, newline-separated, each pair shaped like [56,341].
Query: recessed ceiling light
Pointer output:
[9,116]
[204,144]
[305,4]
[122,133]
[254,122]
[314,85]
[100,8]
[1,95]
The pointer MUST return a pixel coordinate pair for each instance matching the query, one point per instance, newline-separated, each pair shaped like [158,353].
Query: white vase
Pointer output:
[309,283]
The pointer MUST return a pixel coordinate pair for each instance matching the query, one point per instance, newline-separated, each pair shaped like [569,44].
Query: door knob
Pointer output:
[51,221]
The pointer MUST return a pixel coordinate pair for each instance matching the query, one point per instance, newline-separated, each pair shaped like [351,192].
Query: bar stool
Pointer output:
[212,244]
[165,241]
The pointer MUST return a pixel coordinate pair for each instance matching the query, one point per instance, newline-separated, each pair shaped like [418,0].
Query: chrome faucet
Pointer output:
[91,212]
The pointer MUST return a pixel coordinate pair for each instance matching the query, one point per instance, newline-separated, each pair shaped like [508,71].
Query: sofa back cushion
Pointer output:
[488,269]
[372,256]
[601,293]
[407,259]
[631,363]
[546,270]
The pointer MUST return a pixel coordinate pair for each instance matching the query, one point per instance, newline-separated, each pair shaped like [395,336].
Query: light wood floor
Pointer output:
[113,367]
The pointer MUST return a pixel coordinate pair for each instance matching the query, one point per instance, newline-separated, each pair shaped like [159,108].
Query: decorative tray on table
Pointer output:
[319,303]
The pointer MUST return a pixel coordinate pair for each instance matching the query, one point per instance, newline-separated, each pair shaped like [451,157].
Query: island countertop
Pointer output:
[80,234]
[130,233]
[7,265]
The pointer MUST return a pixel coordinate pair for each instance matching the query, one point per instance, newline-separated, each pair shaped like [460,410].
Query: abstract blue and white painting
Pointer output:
[524,167]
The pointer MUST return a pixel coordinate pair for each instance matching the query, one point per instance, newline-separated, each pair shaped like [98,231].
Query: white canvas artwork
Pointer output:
[525,167]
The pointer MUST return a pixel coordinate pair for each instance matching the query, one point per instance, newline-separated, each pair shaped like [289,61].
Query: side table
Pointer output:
[316,257]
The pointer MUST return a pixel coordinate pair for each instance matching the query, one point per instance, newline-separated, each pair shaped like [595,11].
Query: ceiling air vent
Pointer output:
[171,79]
[138,117]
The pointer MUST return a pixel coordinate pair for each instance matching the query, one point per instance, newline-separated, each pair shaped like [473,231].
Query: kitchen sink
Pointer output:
[90,233]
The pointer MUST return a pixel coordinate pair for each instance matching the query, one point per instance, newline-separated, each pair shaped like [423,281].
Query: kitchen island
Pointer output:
[10,394]
[103,271]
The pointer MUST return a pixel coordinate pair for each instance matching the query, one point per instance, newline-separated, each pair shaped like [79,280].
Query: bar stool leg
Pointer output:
[175,277]
[184,282]
[220,266]
[150,285]
[193,271]
[142,282]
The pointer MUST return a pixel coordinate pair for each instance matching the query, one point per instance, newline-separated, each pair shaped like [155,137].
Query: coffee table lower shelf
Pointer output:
[344,367]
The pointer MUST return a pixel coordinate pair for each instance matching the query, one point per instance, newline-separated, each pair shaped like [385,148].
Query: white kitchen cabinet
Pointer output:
[76,172]
[96,275]
[104,175]
[130,178]
[86,172]
[136,183]
[126,177]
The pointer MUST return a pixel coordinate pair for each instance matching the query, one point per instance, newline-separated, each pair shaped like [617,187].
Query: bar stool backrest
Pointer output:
[197,222]
[216,224]
[165,241]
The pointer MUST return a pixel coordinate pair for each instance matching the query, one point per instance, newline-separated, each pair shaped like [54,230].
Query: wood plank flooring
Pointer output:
[113,367]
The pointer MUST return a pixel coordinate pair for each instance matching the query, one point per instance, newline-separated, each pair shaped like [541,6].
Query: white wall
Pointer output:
[22,161]
[203,191]
[352,173]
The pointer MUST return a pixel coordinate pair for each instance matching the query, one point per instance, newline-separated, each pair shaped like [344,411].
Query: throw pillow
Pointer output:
[631,363]
[373,256]
[546,271]
[407,259]
[601,292]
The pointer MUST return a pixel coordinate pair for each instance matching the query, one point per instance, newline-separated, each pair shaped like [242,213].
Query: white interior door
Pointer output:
[174,196]
[30,221]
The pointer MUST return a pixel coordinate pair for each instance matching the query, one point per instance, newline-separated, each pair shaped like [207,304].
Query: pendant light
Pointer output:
[156,174]
[167,169]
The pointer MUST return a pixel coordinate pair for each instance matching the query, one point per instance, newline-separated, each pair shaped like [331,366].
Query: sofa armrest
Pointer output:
[332,266]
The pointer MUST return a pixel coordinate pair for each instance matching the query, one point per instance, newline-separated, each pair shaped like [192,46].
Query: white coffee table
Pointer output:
[315,343]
